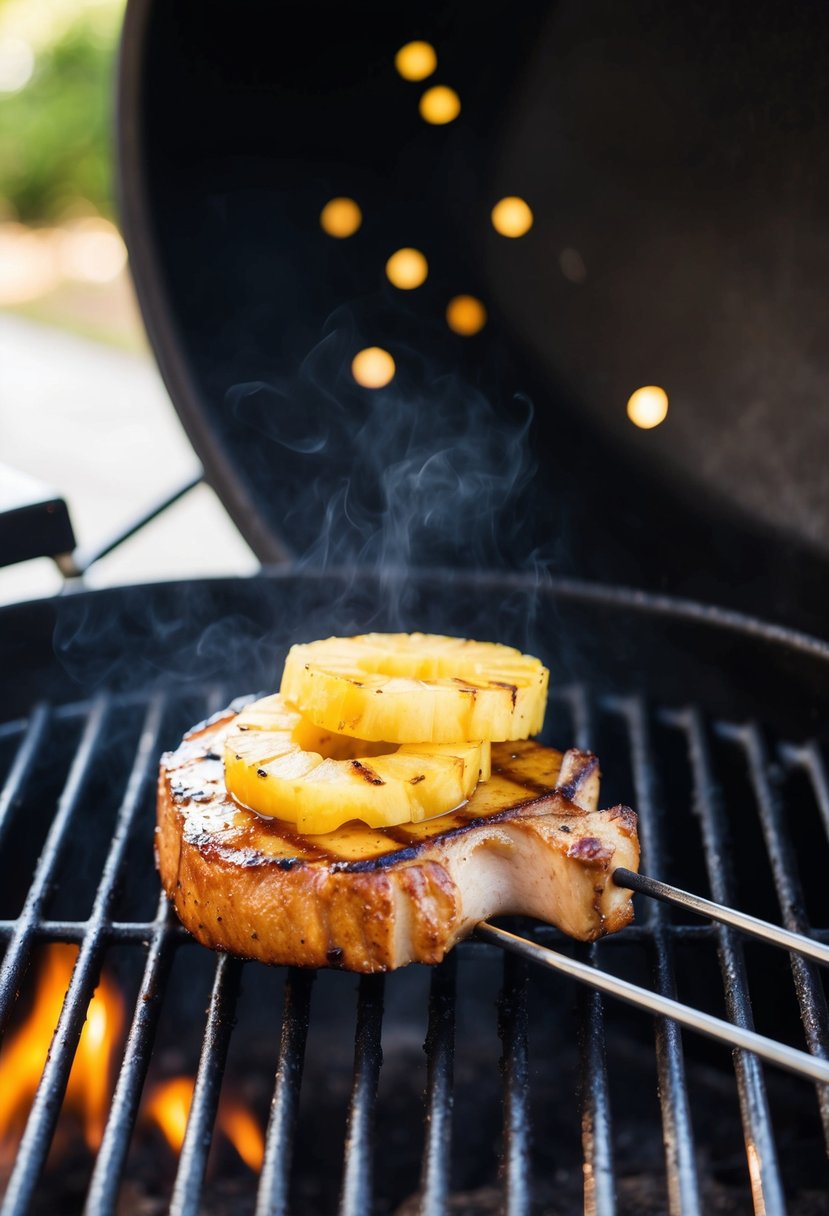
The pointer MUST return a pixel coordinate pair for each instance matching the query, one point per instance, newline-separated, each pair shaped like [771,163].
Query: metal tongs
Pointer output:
[790,1058]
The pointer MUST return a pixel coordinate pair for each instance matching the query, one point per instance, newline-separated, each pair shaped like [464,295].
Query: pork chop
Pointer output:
[529,841]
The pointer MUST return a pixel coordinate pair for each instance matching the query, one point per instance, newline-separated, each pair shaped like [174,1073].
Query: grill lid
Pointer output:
[679,240]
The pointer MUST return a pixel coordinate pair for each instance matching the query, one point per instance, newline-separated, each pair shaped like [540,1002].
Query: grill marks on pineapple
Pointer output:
[367,773]
[441,688]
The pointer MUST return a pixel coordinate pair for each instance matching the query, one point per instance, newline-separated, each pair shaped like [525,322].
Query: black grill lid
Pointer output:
[670,158]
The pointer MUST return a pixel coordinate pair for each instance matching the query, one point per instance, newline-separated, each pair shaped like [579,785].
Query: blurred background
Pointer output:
[82,407]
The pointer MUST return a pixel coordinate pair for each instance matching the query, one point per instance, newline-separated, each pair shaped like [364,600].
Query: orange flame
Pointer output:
[168,1105]
[24,1053]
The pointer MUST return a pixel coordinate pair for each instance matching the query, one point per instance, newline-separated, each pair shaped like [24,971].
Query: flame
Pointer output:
[24,1053]
[242,1130]
[168,1106]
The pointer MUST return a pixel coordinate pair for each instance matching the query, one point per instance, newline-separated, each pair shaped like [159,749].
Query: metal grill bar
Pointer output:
[678,1136]
[40,1127]
[810,995]
[597,1142]
[440,1051]
[272,1196]
[22,765]
[16,957]
[512,1028]
[811,759]
[596,1121]
[112,1155]
[121,932]
[358,1172]
[116,932]
[198,1137]
[764,1169]
[164,932]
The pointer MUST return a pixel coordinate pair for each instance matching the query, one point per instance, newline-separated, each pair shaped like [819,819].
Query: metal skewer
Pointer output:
[790,1058]
[772,934]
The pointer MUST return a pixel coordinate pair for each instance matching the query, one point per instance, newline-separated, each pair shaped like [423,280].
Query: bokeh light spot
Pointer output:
[17,64]
[512,216]
[465,315]
[407,268]
[648,406]
[416,60]
[440,105]
[373,367]
[341,217]
[92,251]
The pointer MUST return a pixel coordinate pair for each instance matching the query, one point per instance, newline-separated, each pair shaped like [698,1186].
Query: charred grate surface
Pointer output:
[354,1116]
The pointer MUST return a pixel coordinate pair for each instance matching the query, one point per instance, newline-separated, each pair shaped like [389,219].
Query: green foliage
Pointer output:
[56,138]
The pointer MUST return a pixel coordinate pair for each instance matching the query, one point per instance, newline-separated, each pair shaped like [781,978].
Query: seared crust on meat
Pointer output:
[528,841]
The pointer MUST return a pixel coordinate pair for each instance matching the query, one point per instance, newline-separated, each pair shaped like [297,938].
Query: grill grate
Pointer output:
[685,775]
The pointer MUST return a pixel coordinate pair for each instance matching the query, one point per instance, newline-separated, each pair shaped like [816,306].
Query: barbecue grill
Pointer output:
[535,1094]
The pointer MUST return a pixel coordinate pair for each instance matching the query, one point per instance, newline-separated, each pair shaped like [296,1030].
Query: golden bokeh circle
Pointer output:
[407,269]
[465,315]
[512,216]
[416,60]
[648,406]
[341,217]
[373,367]
[440,105]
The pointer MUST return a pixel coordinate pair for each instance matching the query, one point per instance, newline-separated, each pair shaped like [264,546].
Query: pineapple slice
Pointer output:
[280,765]
[410,688]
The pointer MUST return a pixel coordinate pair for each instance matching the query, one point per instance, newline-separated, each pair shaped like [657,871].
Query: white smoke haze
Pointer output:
[426,471]
[383,486]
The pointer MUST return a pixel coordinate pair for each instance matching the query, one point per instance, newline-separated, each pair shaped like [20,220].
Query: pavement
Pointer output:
[96,424]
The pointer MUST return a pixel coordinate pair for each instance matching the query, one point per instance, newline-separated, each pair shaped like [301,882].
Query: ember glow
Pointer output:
[24,1054]
[168,1106]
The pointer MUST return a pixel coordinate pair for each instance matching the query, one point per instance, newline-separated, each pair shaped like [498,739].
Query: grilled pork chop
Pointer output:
[530,841]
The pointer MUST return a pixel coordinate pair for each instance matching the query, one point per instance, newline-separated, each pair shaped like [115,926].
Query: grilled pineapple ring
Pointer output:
[280,765]
[411,688]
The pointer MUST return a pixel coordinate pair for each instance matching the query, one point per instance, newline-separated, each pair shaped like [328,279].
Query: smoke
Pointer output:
[372,489]
[427,472]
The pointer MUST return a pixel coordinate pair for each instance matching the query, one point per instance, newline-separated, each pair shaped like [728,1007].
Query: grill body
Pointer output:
[531,1096]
